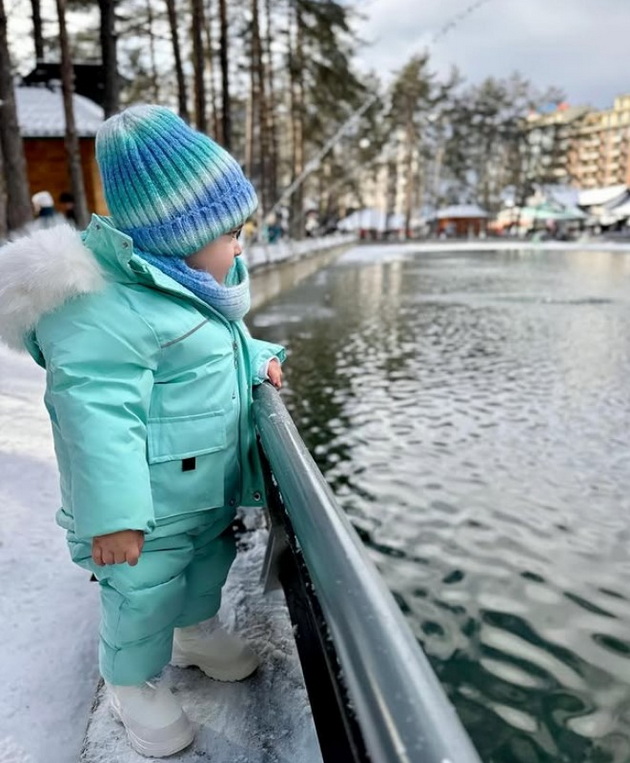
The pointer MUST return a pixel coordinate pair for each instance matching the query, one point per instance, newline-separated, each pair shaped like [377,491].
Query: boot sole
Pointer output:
[155,749]
[226,675]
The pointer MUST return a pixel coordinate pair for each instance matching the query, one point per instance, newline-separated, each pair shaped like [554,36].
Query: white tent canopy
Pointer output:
[616,214]
[597,197]
[371,219]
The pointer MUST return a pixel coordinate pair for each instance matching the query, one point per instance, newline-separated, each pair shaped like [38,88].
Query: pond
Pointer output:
[471,411]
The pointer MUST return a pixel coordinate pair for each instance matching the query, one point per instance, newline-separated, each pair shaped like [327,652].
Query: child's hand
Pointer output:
[274,372]
[117,548]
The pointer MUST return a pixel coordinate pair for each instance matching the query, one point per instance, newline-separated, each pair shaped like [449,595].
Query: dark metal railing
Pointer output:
[372,691]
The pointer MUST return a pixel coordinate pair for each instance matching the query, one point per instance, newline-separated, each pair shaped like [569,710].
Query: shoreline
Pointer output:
[494,245]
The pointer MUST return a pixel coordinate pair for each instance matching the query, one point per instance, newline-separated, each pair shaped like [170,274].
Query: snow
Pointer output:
[594,197]
[371,219]
[385,252]
[265,719]
[47,623]
[40,113]
[48,627]
[461,211]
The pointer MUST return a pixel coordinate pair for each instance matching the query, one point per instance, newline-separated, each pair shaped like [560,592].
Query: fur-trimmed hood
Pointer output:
[39,272]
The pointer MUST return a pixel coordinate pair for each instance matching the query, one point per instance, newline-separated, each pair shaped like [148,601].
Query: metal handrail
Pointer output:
[400,707]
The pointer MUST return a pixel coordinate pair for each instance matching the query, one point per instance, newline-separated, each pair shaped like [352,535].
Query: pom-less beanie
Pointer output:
[42,199]
[169,187]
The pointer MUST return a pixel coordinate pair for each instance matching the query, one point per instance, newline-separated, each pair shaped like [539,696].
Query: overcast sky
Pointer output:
[580,46]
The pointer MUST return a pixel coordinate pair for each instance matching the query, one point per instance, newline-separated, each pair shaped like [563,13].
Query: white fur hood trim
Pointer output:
[38,273]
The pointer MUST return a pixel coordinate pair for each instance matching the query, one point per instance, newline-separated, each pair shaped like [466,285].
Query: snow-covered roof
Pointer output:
[540,212]
[595,197]
[41,115]
[461,211]
[561,194]
[616,213]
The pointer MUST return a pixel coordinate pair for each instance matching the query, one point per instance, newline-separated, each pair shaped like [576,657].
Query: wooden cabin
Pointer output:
[461,221]
[42,124]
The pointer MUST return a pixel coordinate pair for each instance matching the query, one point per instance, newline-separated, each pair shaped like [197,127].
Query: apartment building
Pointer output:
[600,147]
[383,185]
[549,142]
[580,146]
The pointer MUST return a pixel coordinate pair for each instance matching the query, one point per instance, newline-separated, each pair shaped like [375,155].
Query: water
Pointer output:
[472,414]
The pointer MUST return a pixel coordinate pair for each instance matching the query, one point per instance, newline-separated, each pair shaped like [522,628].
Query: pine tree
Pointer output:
[182,97]
[3,198]
[199,64]
[226,114]
[18,202]
[38,33]
[109,57]
[72,140]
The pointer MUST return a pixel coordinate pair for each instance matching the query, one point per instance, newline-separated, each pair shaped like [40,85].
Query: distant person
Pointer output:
[44,210]
[66,203]
[310,226]
[139,324]
[274,232]
[249,231]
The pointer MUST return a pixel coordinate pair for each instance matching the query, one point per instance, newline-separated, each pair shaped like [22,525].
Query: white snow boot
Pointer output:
[155,722]
[219,654]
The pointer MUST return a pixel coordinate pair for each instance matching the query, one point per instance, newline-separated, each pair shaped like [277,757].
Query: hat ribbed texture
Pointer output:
[169,187]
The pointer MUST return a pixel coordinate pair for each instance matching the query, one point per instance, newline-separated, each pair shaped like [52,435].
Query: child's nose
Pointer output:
[238,249]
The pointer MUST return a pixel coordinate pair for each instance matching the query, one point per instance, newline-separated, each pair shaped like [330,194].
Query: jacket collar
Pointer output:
[114,250]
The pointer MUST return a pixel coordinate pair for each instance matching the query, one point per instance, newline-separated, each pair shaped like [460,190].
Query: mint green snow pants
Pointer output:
[177,582]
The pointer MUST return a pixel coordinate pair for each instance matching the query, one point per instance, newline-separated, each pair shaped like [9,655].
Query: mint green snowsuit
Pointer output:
[149,395]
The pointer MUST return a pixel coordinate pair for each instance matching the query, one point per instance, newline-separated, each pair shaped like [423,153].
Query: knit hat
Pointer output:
[169,187]
[42,199]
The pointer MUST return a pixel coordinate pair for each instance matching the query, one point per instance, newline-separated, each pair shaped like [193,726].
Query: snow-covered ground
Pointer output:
[48,625]
[265,719]
[49,619]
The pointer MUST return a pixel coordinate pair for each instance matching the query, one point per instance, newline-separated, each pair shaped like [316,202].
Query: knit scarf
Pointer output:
[232,300]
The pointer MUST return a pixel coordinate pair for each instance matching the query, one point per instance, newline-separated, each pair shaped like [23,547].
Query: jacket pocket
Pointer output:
[186,456]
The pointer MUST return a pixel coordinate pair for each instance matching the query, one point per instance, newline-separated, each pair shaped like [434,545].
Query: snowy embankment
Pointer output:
[491,245]
[49,621]
[48,628]
[258,255]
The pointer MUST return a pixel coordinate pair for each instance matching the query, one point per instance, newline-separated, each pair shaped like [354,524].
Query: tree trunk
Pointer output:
[72,140]
[216,128]
[391,182]
[111,95]
[226,117]
[261,111]
[38,31]
[409,175]
[18,200]
[249,126]
[3,199]
[182,96]
[297,128]
[198,24]
[155,77]
[253,101]
[270,102]
[437,174]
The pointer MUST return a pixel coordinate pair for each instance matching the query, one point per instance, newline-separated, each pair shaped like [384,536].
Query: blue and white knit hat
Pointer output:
[169,187]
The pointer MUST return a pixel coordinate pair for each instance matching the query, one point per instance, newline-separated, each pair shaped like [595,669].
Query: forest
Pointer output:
[277,83]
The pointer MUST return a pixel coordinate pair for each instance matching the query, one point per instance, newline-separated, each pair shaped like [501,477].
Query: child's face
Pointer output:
[217,257]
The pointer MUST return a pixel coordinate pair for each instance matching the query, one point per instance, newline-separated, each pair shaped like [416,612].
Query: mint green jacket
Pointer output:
[149,392]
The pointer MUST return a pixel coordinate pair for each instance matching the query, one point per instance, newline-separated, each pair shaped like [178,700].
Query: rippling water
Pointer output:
[472,413]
